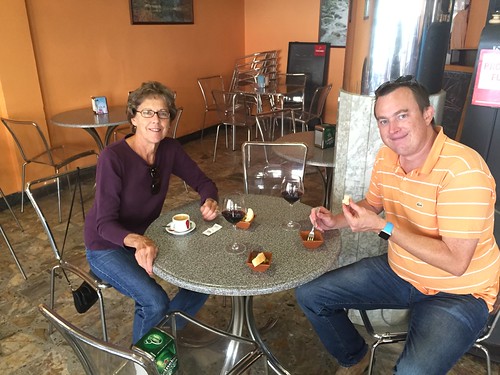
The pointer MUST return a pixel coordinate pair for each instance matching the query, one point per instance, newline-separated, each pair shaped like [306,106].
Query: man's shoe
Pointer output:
[358,369]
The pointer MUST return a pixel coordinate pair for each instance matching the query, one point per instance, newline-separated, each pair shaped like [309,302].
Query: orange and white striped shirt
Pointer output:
[451,195]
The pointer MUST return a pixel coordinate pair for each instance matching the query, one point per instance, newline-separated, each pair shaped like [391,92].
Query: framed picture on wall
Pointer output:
[143,12]
[333,22]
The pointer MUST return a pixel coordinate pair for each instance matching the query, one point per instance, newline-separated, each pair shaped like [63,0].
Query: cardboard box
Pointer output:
[324,136]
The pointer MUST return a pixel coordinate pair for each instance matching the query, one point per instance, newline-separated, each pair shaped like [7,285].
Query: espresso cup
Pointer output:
[180,223]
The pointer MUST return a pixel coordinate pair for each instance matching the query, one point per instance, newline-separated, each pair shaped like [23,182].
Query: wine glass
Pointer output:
[234,210]
[292,189]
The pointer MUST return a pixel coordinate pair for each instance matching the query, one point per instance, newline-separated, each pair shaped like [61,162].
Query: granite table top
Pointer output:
[198,262]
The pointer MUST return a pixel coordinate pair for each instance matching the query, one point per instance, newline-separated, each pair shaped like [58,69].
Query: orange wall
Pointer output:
[286,21]
[56,54]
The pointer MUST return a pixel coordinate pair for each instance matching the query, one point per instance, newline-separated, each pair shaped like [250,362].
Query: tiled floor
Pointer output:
[25,349]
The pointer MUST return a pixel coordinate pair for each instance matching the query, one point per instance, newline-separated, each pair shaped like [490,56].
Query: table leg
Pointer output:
[109,133]
[94,134]
[328,188]
[235,328]
[237,315]
[254,334]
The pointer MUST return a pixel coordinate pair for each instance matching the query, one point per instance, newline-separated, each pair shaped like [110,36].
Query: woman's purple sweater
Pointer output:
[123,200]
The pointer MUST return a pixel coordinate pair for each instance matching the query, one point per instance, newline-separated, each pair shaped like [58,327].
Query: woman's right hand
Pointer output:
[145,250]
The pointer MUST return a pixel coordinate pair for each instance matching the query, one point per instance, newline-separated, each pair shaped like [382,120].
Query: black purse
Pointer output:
[85,297]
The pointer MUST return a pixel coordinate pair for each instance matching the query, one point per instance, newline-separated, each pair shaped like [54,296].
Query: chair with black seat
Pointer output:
[394,337]
[66,240]
[313,116]
[233,110]
[218,353]
[295,97]
[34,148]
[207,85]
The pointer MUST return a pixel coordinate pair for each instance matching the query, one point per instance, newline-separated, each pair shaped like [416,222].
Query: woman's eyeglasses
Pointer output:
[155,180]
[406,80]
[148,113]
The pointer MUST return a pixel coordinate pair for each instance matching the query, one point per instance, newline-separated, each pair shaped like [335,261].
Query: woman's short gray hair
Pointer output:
[151,89]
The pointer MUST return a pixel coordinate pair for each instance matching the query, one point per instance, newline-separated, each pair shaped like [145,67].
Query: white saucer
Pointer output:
[192,226]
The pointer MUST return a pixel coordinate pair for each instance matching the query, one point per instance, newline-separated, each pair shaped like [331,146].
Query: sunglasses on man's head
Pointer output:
[407,80]
[155,180]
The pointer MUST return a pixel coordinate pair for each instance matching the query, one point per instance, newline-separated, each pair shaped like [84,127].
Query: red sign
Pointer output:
[487,86]
[320,50]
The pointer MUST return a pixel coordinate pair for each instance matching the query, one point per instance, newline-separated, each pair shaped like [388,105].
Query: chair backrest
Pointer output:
[177,119]
[268,121]
[207,85]
[97,356]
[492,321]
[227,353]
[265,164]
[77,194]
[248,67]
[318,100]
[30,140]
[233,107]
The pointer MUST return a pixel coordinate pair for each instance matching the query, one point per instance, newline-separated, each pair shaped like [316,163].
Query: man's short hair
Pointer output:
[419,91]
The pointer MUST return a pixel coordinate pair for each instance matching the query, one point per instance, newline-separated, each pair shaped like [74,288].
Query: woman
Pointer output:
[131,185]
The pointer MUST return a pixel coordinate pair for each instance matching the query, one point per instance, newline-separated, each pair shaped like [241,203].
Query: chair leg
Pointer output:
[23,182]
[372,359]
[58,183]
[12,252]
[216,140]
[11,211]
[203,125]
[487,355]
[52,294]
[103,315]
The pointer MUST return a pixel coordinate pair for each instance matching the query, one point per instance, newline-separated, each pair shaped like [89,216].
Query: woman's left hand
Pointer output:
[209,209]
[145,250]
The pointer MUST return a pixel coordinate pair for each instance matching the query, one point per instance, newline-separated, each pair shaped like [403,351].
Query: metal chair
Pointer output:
[393,337]
[268,121]
[266,163]
[232,109]
[218,353]
[97,356]
[34,148]
[207,85]
[313,115]
[66,241]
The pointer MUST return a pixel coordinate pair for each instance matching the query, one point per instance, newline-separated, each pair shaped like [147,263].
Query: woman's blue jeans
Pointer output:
[120,269]
[441,329]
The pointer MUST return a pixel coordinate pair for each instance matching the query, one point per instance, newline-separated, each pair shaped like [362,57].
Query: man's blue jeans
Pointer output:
[120,269]
[441,329]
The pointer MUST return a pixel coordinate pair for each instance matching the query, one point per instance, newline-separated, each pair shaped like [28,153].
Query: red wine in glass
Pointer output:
[292,189]
[233,216]
[292,197]
[234,210]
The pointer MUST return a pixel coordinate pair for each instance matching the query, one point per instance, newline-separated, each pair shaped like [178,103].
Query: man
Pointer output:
[442,262]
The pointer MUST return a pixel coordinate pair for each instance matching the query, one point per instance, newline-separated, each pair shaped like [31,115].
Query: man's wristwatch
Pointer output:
[387,231]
